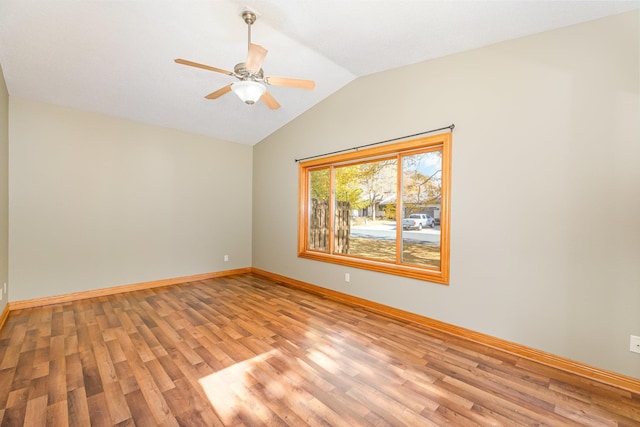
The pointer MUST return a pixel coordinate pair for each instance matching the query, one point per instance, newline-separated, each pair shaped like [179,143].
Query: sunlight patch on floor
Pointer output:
[228,389]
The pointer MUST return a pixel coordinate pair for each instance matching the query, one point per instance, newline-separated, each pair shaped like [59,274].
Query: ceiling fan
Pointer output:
[252,84]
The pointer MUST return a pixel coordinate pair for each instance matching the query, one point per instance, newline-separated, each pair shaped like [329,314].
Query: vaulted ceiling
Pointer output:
[117,57]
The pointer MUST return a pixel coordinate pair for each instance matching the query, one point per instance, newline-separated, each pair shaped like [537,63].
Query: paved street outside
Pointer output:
[386,230]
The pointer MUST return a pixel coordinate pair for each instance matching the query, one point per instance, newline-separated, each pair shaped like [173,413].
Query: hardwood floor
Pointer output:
[243,350]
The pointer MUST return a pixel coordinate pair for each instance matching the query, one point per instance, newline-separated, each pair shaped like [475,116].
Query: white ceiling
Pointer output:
[116,57]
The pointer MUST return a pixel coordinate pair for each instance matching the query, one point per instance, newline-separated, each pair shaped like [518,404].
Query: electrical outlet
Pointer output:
[5,287]
[347,277]
[634,344]
[226,258]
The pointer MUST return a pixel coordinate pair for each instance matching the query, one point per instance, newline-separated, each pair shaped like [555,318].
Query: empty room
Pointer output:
[336,213]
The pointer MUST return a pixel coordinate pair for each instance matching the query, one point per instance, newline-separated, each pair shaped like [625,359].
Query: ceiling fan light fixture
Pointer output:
[248,91]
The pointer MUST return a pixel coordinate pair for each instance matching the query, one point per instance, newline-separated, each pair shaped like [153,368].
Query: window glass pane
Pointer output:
[421,201]
[319,190]
[368,192]
[348,201]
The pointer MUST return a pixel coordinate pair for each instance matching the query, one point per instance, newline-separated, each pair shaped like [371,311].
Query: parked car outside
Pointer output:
[418,221]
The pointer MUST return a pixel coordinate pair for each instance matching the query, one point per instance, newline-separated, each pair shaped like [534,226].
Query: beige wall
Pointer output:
[4,189]
[545,241]
[97,202]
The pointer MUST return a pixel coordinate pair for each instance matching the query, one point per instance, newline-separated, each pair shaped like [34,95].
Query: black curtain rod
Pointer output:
[450,127]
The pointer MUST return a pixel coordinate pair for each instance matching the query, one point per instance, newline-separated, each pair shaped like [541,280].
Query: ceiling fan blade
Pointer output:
[255,58]
[218,93]
[204,67]
[296,83]
[270,101]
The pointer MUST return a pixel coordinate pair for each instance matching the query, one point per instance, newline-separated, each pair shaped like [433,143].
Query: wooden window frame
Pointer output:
[428,273]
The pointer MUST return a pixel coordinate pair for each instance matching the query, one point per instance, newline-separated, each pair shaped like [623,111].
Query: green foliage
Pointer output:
[390,212]
[320,183]
[348,186]
[361,185]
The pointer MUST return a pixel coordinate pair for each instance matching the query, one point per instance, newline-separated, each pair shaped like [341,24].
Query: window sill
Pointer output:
[420,273]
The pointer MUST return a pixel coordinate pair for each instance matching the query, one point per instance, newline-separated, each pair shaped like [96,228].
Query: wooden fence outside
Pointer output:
[319,226]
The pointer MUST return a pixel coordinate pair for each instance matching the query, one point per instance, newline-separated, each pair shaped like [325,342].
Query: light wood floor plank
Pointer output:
[244,350]
[57,414]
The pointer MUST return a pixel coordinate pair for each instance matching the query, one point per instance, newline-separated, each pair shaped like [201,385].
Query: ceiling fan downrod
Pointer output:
[249,17]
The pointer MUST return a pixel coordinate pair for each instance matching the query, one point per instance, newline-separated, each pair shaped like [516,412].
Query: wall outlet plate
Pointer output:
[634,344]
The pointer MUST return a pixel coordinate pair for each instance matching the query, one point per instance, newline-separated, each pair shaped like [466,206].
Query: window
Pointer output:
[384,209]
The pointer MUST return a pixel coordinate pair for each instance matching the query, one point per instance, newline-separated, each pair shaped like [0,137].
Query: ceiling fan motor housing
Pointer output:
[240,70]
